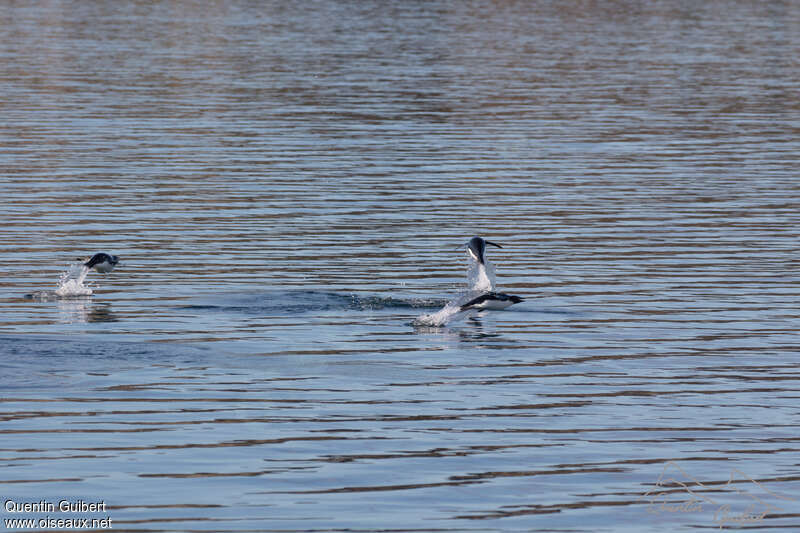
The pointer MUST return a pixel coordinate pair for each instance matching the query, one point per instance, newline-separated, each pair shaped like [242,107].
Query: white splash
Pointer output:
[71,282]
[450,312]
[481,277]
[440,318]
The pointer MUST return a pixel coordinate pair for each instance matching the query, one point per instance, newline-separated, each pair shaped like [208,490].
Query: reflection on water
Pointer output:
[71,310]
[289,186]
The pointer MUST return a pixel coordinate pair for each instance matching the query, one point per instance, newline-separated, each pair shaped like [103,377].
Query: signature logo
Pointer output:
[741,500]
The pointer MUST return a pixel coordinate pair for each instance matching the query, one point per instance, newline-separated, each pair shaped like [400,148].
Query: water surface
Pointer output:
[289,187]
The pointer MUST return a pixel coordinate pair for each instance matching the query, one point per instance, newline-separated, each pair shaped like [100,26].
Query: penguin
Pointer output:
[103,263]
[491,300]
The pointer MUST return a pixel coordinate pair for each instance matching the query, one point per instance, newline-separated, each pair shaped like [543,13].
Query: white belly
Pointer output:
[105,267]
[494,304]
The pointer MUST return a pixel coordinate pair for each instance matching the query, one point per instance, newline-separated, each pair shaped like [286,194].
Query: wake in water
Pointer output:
[281,303]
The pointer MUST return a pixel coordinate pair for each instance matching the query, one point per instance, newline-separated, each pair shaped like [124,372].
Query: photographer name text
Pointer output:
[63,506]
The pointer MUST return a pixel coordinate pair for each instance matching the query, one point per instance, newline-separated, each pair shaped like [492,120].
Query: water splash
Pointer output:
[450,312]
[482,277]
[71,282]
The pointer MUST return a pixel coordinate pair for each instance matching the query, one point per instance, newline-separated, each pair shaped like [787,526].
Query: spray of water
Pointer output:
[480,279]
[71,282]
[450,312]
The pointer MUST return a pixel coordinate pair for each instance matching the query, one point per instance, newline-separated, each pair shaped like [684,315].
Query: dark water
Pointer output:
[287,186]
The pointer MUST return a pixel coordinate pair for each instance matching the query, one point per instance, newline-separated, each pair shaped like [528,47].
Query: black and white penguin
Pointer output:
[101,262]
[491,300]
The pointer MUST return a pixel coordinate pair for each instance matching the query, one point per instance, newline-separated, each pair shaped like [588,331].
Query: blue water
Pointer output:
[290,187]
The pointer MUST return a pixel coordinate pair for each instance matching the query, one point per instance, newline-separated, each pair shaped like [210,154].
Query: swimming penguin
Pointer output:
[491,300]
[477,247]
[103,263]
